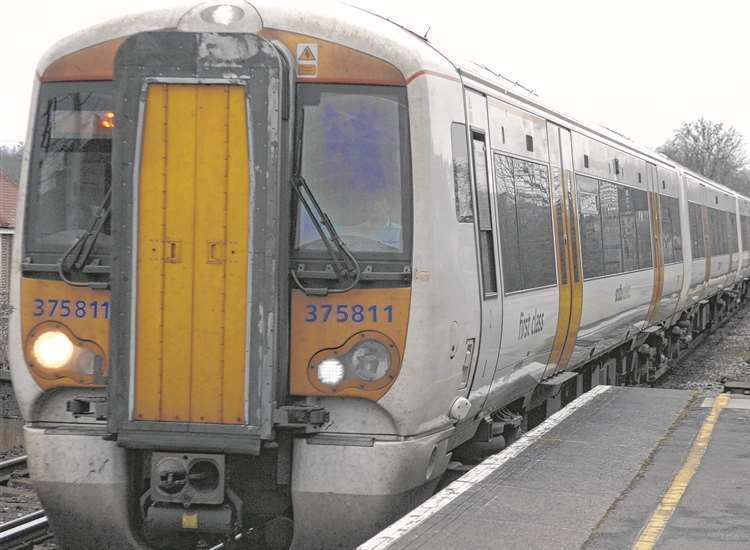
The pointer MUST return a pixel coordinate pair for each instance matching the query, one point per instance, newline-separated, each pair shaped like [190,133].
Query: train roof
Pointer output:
[358,29]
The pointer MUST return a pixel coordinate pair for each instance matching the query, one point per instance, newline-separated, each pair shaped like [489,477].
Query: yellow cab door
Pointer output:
[192,260]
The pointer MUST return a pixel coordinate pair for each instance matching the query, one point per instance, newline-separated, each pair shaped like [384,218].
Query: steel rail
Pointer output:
[25,531]
[12,464]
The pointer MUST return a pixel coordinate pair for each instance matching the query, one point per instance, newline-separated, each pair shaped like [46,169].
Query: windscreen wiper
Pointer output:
[77,255]
[344,262]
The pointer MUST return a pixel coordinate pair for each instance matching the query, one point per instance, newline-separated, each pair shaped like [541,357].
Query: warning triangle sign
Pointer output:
[307,55]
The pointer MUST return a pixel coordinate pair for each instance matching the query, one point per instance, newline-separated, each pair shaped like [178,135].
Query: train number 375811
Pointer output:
[343,313]
[79,309]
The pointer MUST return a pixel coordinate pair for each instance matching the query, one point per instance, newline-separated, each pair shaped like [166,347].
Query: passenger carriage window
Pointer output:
[718,228]
[726,227]
[611,236]
[628,228]
[745,228]
[670,229]
[733,244]
[510,250]
[615,227]
[484,217]
[592,247]
[697,245]
[461,174]
[574,233]
[718,225]
[643,228]
[527,242]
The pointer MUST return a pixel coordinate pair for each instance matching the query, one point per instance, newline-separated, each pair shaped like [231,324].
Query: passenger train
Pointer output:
[277,263]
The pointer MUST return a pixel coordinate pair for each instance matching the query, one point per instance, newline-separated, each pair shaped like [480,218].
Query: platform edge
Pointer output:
[440,500]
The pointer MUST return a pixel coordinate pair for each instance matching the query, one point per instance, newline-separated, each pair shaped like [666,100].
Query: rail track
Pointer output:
[7,467]
[24,532]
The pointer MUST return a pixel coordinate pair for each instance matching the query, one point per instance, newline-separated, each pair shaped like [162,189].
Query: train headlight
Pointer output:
[53,349]
[54,352]
[370,360]
[223,14]
[330,372]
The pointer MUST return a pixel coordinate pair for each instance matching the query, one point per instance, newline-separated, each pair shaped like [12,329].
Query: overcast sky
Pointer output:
[641,67]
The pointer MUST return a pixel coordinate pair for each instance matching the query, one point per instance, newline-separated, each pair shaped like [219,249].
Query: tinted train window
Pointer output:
[611,236]
[525,223]
[697,245]
[558,211]
[628,228]
[643,227]
[592,246]
[615,227]
[508,224]
[732,232]
[484,217]
[70,168]
[718,225]
[745,228]
[670,229]
[461,174]
[355,158]
[713,225]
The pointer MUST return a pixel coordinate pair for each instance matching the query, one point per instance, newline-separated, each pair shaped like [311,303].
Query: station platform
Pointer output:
[618,468]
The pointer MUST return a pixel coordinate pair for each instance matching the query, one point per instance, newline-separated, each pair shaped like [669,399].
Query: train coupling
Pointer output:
[188,494]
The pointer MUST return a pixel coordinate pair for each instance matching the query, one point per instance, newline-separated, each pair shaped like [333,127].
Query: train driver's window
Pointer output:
[461,174]
[354,155]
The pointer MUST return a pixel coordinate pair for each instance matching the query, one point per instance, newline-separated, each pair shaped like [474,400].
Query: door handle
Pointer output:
[172,252]
[216,252]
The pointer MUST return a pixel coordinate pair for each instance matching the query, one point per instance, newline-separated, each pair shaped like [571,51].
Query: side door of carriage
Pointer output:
[486,238]
[656,245]
[566,229]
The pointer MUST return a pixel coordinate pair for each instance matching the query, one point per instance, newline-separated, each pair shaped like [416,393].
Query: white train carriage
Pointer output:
[497,258]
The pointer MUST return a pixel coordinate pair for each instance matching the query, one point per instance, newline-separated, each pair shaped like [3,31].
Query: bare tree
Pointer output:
[10,160]
[713,150]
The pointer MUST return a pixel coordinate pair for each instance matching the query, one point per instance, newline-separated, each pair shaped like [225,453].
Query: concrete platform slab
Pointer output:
[592,475]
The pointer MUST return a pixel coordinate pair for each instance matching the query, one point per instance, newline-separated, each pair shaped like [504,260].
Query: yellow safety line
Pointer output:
[650,534]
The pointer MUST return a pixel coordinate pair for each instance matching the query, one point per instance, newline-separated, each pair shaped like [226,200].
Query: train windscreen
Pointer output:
[70,169]
[354,156]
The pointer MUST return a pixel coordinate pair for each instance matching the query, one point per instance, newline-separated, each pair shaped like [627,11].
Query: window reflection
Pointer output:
[525,216]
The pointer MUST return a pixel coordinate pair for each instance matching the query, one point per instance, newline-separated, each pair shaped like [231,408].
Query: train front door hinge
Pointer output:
[294,416]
